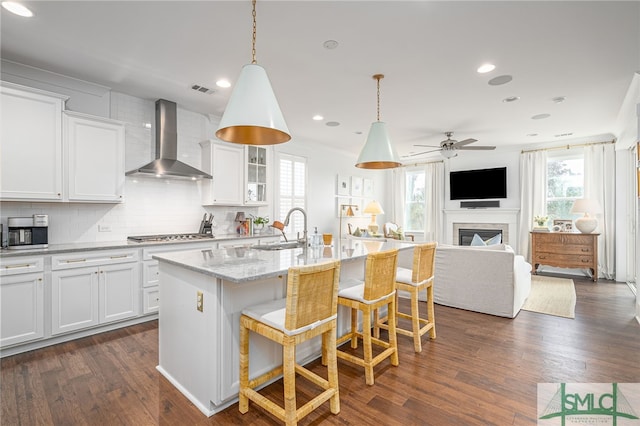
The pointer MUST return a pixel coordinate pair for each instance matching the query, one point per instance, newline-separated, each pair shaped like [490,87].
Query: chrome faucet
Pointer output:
[286,223]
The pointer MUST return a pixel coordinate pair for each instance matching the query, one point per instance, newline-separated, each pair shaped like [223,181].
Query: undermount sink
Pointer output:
[278,245]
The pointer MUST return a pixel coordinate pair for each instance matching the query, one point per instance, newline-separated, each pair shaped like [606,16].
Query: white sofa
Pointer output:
[492,279]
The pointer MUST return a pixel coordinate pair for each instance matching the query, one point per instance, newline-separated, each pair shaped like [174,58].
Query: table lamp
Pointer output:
[586,224]
[345,210]
[373,208]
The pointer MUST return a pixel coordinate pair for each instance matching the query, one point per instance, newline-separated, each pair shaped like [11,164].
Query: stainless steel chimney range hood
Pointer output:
[166,164]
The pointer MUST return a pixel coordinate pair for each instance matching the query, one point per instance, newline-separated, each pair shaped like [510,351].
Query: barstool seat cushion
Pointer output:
[273,314]
[356,292]
[404,276]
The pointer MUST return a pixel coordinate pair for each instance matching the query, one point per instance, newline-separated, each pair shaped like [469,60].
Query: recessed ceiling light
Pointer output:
[563,134]
[17,8]
[318,117]
[511,99]
[332,123]
[484,68]
[223,83]
[501,79]
[330,44]
[559,99]
[532,134]
[540,116]
[358,132]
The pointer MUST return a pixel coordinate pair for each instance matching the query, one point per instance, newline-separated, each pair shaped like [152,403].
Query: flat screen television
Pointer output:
[478,184]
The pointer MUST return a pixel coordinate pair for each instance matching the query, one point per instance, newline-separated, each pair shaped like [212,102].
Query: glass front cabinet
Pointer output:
[257,159]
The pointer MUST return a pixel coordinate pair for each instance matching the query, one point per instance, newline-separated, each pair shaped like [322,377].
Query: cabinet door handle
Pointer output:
[75,260]
[585,250]
[120,256]
[586,261]
[24,265]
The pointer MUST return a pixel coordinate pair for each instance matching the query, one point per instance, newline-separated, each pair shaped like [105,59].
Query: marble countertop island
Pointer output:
[203,293]
[242,264]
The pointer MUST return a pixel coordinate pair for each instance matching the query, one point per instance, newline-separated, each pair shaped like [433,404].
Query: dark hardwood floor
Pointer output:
[481,370]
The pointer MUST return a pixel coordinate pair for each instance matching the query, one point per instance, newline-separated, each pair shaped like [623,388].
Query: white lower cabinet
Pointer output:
[21,308]
[119,290]
[150,300]
[21,300]
[74,299]
[86,296]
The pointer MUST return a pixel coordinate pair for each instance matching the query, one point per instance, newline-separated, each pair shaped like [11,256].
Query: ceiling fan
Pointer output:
[449,147]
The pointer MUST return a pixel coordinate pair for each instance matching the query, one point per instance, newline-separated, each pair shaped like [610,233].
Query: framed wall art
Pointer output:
[367,187]
[342,185]
[356,186]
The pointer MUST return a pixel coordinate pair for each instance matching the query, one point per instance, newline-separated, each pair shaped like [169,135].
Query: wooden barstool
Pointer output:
[413,281]
[377,290]
[310,309]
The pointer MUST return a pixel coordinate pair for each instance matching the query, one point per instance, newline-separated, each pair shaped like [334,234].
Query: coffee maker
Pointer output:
[28,232]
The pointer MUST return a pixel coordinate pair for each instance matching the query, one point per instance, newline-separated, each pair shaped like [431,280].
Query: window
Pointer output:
[414,206]
[565,184]
[292,192]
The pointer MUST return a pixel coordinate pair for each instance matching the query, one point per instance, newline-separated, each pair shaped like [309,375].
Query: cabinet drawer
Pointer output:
[565,249]
[147,253]
[563,260]
[94,258]
[21,265]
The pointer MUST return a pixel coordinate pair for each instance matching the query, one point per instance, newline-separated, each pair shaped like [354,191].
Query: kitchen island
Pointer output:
[202,295]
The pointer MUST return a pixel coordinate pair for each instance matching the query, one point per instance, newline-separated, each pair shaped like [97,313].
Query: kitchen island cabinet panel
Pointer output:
[31,143]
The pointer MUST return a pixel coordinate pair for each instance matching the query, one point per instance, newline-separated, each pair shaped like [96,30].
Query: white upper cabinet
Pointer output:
[30,144]
[240,174]
[95,153]
[48,154]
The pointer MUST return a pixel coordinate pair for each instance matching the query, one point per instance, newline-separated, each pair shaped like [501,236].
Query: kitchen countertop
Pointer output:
[122,244]
[246,264]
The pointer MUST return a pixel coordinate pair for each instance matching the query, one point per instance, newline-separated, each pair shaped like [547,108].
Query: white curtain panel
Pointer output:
[533,196]
[434,201]
[599,184]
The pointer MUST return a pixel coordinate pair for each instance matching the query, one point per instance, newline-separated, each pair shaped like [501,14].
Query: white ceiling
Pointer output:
[428,51]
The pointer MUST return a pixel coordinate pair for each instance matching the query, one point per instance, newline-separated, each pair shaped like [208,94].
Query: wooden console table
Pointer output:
[565,250]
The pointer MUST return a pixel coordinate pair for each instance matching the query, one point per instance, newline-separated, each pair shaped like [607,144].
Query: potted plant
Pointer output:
[259,222]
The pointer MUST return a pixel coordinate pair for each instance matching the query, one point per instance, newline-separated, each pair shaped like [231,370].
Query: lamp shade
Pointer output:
[240,217]
[253,114]
[586,205]
[373,208]
[378,152]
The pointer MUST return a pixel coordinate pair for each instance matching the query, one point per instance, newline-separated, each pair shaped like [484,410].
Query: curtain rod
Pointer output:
[567,146]
[422,163]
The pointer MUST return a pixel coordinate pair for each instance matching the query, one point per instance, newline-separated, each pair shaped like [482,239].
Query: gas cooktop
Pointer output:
[169,237]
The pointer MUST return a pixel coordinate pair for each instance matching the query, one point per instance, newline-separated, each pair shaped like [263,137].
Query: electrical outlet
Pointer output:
[104,228]
[200,302]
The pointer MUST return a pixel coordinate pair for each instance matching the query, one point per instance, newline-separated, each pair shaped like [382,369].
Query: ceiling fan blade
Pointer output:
[464,142]
[419,153]
[476,148]
[429,146]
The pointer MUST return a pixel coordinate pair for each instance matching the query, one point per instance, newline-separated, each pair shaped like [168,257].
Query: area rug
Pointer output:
[552,296]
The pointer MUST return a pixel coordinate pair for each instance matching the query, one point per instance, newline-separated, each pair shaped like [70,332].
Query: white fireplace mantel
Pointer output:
[480,216]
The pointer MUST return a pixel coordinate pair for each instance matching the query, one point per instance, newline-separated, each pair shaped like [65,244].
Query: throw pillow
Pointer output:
[477,241]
